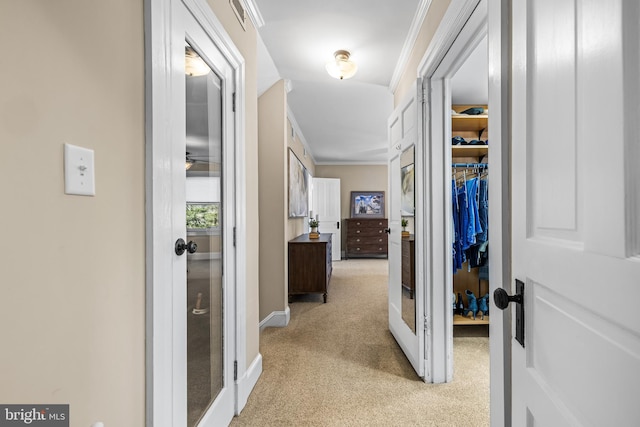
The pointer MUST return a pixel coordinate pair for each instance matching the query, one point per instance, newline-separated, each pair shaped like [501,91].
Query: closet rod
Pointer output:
[469,165]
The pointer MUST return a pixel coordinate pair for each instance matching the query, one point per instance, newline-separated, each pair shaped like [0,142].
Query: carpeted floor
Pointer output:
[337,364]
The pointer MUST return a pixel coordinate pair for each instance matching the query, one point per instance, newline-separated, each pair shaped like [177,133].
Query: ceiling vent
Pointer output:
[240,12]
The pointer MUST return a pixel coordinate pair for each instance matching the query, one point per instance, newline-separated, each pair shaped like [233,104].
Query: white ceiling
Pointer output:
[341,121]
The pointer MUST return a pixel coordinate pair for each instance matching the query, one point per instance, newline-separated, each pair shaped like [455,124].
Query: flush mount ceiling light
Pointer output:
[342,68]
[193,63]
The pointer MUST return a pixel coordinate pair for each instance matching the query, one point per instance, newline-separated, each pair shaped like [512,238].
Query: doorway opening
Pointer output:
[469,141]
[464,29]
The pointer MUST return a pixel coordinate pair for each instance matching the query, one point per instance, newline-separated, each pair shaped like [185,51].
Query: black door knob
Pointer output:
[181,247]
[387,230]
[502,298]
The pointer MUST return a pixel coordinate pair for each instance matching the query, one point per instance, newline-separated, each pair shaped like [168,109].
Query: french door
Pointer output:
[406,306]
[191,223]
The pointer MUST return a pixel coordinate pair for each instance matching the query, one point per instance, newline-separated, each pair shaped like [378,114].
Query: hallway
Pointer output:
[337,364]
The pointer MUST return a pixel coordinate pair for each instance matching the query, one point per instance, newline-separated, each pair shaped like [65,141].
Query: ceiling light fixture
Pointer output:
[341,68]
[193,63]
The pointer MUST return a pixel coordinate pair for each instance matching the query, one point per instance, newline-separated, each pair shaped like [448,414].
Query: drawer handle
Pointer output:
[357,231]
[380,231]
[357,240]
[379,240]
[357,249]
[357,223]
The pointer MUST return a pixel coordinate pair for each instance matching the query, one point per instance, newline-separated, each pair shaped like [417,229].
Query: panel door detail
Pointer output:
[575,212]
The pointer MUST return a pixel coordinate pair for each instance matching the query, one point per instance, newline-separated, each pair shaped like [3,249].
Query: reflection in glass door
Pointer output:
[203,164]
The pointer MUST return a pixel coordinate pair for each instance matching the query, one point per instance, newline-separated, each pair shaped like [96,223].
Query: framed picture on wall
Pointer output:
[407,198]
[367,204]
[298,187]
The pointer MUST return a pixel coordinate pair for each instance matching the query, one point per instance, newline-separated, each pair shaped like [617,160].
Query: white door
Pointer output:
[575,212]
[403,134]
[191,179]
[326,205]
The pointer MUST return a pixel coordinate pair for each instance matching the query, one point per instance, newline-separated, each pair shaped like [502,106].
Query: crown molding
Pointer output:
[254,13]
[409,43]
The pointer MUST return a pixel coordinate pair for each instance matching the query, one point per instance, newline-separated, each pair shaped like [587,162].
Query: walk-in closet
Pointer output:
[469,196]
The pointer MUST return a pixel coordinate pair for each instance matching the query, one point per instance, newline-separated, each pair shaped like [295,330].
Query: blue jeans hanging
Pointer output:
[483,211]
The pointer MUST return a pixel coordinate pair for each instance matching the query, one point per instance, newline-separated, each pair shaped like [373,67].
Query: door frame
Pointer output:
[458,33]
[159,60]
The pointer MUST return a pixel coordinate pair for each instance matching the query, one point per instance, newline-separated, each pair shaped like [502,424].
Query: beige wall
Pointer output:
[297,226]
[429,26]
[356,178]
[246,42]
[72,268]
[276,228]
[72,271]
[272,125]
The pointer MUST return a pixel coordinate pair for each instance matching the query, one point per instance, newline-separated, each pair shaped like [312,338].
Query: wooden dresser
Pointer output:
[310,265]
[366,237]
[408,264]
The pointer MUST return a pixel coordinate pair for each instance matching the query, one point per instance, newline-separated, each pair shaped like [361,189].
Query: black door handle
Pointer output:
[502,300]
[181,246]
[387,230]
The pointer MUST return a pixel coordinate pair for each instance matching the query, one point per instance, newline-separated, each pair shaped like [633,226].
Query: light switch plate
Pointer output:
[79,173]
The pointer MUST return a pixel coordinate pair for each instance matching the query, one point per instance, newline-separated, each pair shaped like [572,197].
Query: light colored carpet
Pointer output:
[337,364]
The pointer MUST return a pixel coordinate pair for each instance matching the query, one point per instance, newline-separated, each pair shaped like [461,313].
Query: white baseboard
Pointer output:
[247,382]
[277,319]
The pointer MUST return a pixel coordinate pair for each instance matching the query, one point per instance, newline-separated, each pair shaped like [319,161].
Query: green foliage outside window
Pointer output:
[202,216]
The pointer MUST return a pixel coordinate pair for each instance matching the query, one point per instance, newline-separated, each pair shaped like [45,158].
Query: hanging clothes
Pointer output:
[473,224]
[457,251]
[470,211]
[483,211]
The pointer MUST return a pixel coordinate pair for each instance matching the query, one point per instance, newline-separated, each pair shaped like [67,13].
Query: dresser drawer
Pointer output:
[369,232]
[368,248]
[368,223]
[366,237]
[362,240]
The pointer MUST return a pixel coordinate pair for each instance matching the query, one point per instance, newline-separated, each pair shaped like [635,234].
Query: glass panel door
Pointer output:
[204,195]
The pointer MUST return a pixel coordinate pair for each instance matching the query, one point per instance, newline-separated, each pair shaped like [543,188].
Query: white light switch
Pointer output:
[79,174]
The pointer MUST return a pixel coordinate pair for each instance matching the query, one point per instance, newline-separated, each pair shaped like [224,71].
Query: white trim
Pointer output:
[162,389]
[158,361]
[498,41]
[254,13]
[276,319]
[452,23]
[203,14]
[247,382]
[458,33]
[409,43]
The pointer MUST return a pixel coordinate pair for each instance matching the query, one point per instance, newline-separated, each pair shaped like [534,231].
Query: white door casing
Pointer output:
[169,23]
[461,30]
[575,211]
[404,127]
[326,205]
